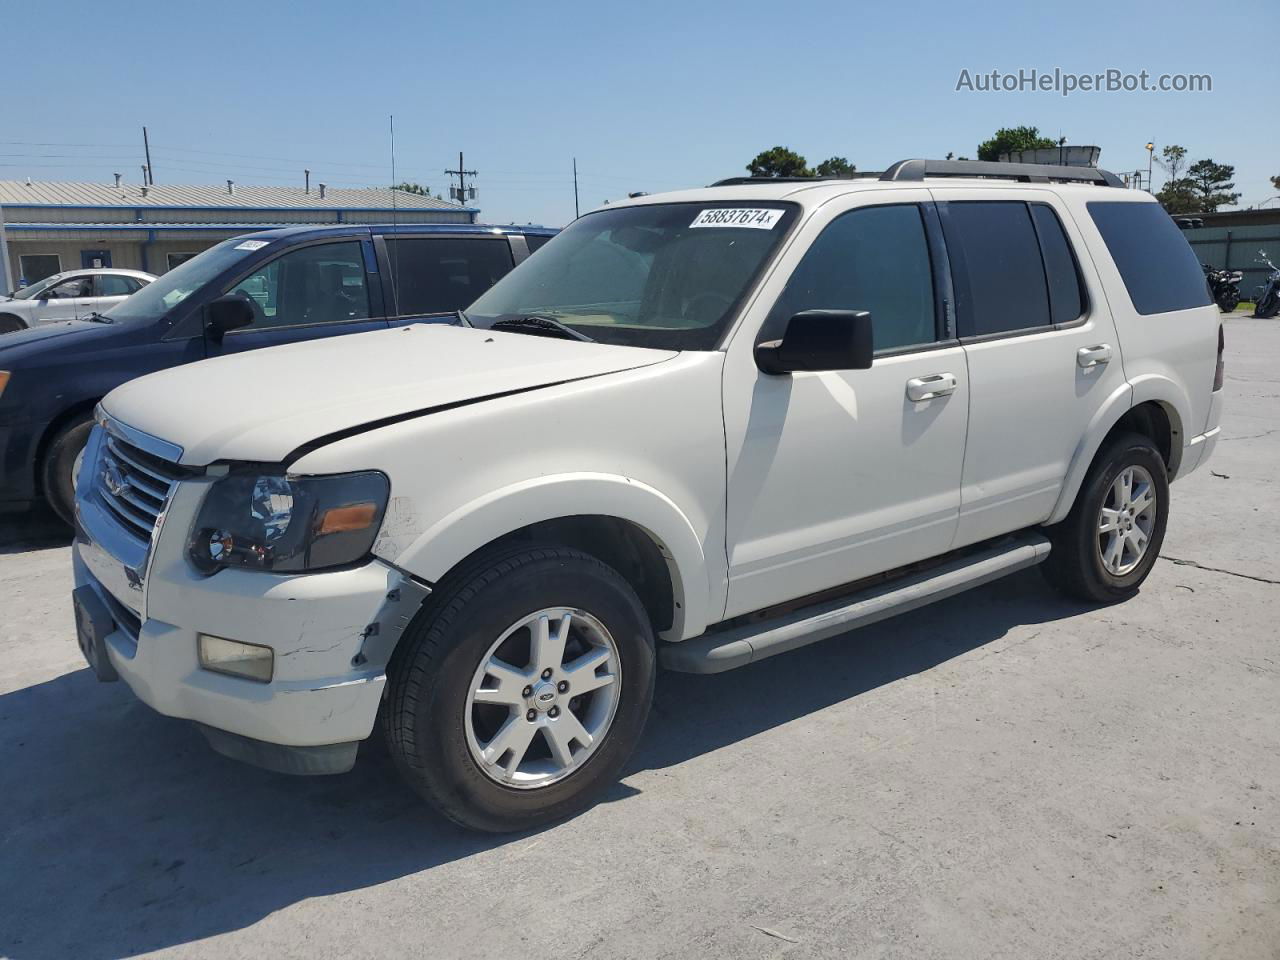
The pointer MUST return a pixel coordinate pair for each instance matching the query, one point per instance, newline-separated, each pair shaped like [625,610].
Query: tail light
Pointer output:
[1219,370]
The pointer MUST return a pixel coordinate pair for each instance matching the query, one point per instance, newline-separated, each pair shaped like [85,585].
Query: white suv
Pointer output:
[696,430]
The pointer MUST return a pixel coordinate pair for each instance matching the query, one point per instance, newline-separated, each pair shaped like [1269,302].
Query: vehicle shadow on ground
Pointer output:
[125,834]
[35,529]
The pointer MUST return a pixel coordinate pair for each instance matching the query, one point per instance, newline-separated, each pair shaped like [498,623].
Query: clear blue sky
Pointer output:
[647,96]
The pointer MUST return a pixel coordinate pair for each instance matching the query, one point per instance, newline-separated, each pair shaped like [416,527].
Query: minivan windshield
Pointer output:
[162,295]
[668,275]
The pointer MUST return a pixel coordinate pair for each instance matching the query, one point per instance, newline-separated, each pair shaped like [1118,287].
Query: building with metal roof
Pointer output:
[52,226]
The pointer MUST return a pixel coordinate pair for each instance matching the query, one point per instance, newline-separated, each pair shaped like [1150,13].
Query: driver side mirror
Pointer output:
[820,340]
[230,312]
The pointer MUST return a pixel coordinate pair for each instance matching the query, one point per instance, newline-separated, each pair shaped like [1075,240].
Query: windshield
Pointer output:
[26,293]
[663,275]
[162,295]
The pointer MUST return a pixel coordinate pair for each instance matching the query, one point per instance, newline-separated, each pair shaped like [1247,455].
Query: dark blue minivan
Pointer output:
[258,290]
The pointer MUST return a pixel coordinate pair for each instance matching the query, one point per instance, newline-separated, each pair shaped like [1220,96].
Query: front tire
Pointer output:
[60,462]
[522,689]
[11,324]
[1107,545]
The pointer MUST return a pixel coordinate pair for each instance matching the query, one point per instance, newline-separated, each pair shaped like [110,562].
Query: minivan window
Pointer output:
[1158,266]
[1065,300]
[321,283]
[1000,279]
[534,241]
[875,259]
[443,274]
[159,297]
[665,275]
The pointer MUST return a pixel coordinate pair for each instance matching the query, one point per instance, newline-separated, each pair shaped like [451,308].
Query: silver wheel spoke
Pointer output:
[561,734]
[582,675]
[1115,552]
[548,644]
[1142,499]
[514,738]
[1110,520]
[510,684]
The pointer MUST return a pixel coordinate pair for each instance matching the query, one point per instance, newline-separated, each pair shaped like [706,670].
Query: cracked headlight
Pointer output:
[288,524]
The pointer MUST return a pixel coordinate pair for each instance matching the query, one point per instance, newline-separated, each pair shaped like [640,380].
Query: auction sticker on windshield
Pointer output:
[252,244]
[756,218]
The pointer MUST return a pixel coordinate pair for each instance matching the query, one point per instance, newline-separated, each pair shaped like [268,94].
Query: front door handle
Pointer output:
[927,388]
[1092,356]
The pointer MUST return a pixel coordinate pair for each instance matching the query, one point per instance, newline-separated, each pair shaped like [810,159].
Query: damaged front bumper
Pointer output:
[331,633]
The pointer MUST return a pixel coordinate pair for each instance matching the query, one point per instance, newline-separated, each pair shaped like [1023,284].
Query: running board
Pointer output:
[738,646]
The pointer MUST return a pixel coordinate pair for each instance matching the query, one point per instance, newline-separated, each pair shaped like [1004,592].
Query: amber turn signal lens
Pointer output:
[355,516]
[4,380]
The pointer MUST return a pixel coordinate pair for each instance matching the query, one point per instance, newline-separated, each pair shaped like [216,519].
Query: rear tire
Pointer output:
[11,324]
[59,467]
[1108,543]
[470,678]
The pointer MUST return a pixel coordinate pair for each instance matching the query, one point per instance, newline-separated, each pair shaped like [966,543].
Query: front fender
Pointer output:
[432,553]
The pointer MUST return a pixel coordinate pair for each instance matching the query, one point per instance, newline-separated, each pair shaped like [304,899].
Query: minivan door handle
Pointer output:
[1092,356]
[927,388]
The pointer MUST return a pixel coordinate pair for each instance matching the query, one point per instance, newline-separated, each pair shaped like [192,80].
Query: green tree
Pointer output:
[778,162]
[407,187]
[1211,183]
[1178,196]
[1275,183]
[1172,160]
[836,167]
[1011,140]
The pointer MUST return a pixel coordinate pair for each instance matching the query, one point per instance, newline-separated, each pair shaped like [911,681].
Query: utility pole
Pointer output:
[460,191]
[146,147]
[575,188]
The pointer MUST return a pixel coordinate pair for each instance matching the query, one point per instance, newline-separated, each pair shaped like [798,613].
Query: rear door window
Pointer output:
[1158,266]
[115,285]
[534,241]
[443,274]
[999,276]
[1066,302]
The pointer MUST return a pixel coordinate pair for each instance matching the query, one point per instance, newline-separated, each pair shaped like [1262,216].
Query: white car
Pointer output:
[73,295]
[697,430]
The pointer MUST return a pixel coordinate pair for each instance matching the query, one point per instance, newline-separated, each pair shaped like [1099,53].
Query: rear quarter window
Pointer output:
[1158,266]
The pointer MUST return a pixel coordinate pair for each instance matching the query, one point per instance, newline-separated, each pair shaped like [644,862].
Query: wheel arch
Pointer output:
[623,522]
[59,423]
[1155,407]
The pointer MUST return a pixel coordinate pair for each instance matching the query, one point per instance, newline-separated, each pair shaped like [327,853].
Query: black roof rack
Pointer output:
[1024,172]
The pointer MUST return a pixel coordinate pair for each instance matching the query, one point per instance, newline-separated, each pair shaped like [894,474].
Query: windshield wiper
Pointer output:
[463,318]
[539,326]
[97,317]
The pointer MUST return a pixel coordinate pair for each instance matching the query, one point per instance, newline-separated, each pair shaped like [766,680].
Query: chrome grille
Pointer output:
[134,485]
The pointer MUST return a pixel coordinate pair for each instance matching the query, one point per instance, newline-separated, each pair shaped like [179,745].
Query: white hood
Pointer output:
[264,404]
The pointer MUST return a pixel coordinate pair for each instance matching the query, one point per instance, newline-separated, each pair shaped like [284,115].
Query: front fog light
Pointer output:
[248,660]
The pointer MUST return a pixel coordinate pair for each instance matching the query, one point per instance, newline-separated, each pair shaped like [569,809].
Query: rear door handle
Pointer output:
[927,388]
[1092,356]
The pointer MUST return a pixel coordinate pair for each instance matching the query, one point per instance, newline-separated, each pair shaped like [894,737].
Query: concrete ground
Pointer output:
[1006,774]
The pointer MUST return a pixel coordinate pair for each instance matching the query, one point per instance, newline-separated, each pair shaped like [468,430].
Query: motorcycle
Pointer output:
[1223,287]
[1267,303]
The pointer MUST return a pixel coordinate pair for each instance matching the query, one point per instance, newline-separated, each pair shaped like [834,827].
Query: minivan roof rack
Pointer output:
[1024,172]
